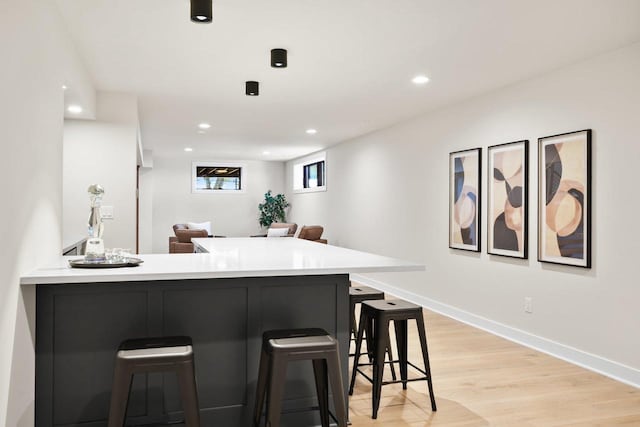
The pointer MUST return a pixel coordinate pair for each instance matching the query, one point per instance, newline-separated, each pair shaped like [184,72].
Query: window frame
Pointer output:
[319,173]
[298,173]
[226,164]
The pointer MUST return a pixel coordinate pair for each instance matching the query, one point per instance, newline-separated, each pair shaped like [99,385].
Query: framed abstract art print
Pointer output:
[464,199]
[564,193]
[508,202]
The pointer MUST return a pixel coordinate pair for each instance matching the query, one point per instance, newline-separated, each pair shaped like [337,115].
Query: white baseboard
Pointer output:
[592,362]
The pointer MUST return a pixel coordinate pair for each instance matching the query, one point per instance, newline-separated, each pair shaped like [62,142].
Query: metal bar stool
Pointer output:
[357,295]
[377,315]
[281,346]
[154,355]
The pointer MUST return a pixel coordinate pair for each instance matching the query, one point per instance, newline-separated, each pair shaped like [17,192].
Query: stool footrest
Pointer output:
[388,362]
[408,380]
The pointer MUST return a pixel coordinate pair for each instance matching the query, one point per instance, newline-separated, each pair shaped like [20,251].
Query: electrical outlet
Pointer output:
[528,305]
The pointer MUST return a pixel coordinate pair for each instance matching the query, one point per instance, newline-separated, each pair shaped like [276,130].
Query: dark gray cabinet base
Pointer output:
[79,327]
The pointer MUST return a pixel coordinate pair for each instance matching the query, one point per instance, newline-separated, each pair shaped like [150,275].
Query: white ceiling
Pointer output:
[350,62]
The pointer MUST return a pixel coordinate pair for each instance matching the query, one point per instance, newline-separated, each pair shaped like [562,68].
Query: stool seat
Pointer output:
[323,342]
[395,308]
[357,294]
[182,352]
[154,342]
[291,333]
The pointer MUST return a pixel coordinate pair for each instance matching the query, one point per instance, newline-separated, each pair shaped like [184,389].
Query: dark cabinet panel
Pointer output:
[216,320]
[79,328]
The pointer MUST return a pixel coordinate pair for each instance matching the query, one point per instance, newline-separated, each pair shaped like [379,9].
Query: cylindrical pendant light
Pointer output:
[252,88]
[279,58]
[201,11]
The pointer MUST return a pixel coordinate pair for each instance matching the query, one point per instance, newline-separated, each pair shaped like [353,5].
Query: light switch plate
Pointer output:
[106,212]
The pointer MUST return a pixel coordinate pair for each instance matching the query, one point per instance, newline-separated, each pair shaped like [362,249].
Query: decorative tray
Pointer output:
[81,263]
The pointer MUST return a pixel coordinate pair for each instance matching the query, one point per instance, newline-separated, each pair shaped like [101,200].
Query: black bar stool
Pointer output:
[357,295]
[159,354]
[281,346]
[380,313]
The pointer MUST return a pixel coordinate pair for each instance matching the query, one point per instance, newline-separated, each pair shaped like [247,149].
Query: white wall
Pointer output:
[37,58]
[231,215]
[388,194]
[102,152]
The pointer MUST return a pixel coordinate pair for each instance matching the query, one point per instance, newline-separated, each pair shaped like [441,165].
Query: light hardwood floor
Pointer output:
[484,380]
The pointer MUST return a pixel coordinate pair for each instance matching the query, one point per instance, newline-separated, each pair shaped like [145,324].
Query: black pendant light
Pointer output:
[252,88]
[279,58]
[201,11]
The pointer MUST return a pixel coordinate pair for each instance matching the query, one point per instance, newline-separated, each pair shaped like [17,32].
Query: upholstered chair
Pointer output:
[313,233]
[181,242]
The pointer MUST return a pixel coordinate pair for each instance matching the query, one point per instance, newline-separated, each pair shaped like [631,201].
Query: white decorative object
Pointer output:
[277,232]
[95,244]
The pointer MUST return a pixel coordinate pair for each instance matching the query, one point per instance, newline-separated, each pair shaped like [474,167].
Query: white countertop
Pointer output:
[230,257]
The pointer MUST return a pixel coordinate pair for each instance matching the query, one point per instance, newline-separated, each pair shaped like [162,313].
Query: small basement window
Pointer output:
[217,178]
[310,174]
[313,175]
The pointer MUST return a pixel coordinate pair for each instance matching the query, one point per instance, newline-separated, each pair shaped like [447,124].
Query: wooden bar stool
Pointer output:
[282,346]
[154,355]
[377,315]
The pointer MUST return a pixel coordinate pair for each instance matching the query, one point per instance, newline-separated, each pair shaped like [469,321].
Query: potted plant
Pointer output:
[272,209]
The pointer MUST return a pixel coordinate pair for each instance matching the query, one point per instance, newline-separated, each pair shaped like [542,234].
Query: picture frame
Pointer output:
[508,199]
[564,199]
[465,199]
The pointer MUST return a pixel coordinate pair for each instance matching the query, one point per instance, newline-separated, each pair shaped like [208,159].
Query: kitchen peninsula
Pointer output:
[223,297]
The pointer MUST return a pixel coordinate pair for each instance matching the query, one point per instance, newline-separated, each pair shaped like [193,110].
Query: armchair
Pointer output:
[181,242]
[313,233]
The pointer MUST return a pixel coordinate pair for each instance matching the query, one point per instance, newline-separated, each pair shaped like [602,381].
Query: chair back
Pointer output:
[293,227]
[311,232]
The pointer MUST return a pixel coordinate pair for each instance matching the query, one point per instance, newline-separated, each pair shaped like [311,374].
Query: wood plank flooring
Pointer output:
[484,380]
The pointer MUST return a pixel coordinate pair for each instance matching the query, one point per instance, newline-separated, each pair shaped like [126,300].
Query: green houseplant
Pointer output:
[272,209]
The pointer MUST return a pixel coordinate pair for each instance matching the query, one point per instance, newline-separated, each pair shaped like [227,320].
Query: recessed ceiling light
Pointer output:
[64,87]
[204,125]
[266,153]
[279,58]
[75,109]
[188,149]
[312,131]
[252,88]
[420,80]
